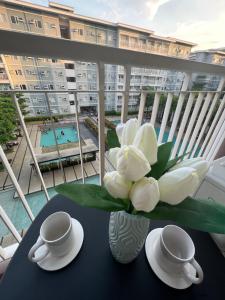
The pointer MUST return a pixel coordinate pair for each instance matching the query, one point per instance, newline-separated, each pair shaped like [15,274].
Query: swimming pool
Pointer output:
[64,135]
[16,212]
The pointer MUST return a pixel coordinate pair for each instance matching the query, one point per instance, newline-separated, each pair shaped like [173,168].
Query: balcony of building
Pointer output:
[193,120]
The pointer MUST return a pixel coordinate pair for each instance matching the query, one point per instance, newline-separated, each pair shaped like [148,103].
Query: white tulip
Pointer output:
[117,185]
[113,156]
[146,141]
[200,165]
[119,131]
[176,185]
[144,194]
[129,132]
[131,163]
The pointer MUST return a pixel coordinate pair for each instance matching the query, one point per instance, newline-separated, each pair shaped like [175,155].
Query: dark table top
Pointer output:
[94,274]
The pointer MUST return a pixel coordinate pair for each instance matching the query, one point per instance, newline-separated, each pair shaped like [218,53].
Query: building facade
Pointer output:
[211,56]
[28,73]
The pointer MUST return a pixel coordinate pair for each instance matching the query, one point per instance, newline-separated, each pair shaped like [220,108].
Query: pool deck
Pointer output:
[28,178]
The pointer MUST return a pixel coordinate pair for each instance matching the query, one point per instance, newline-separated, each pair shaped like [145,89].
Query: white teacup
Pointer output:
[175,250]
[56,234]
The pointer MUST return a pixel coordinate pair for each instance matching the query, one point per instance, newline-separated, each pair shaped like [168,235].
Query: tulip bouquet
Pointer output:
[148,183]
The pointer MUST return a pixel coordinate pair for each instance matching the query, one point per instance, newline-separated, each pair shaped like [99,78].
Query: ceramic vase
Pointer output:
[127,235]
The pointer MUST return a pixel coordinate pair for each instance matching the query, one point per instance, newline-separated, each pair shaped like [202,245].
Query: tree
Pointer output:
[8,122]
[22,104]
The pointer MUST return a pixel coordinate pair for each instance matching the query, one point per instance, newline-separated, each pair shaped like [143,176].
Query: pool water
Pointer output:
[69,136]
[16,212]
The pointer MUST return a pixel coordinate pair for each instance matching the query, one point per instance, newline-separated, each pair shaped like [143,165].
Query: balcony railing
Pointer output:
[196,125]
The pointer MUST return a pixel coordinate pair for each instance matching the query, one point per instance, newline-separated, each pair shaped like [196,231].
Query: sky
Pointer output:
[198,21]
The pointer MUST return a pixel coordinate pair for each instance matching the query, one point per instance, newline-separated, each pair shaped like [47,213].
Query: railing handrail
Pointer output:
[29,44]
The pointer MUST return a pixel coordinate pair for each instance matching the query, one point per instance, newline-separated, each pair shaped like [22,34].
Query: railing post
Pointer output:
[10,225]
[199,122]
[190,124]
[180,102]
[183,123]
[217,143]
[79,136]
[213,131]
[165,116]
[101,119]
[30,145]
[56,142]
[16,184]
[141,107]
[124,113]
[155,108]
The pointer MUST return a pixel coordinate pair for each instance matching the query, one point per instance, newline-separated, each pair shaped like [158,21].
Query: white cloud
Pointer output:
[207,34]
[127,10]
[153,6]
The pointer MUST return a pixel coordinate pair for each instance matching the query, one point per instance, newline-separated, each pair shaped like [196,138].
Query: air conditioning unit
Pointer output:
[45,87]
[31,21]
[20,20]
[53,26]
[62,86]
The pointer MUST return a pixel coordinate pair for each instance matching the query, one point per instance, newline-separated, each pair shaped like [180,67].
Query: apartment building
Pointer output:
[211,56]
[59,20]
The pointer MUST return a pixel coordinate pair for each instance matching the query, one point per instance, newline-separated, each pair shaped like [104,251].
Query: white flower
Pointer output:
[113,156]
[144,194]
[176,185]
[200,165]
[117,185]
[131,163]
[119,131]
[146,141]
[129,132]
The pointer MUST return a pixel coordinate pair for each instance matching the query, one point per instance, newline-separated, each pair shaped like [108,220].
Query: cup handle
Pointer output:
[194,279]
[37,245]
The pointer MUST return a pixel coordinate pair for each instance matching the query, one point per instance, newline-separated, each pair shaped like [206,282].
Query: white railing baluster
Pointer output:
[101,120]
[55,137]
[155,108]
[142,107]
[165,117]
[9,224]
[215,99]
[79,136]
[124,112]
[199,122]
[183,124]
[15,183]
[30,145]
[190,123]
[208,116]
[217,143]
[179,106]
[212,133]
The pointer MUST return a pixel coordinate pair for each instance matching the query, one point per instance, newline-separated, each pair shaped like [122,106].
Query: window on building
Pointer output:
[70,79]
[72,103]
[38,24]
[19,72]
[13,20]
[54,60]
[69,66]
[16,20]
[23,87]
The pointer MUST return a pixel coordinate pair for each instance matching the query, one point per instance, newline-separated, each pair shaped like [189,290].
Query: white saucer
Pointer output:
[175,280]
[53,263]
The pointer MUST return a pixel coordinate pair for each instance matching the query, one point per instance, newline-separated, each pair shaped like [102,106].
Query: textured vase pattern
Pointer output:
[127,235]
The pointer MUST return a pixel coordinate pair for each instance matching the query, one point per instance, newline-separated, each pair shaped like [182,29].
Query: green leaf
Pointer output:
[164,151]
[112,139]
[202,214]
[92,195]
[171,163]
